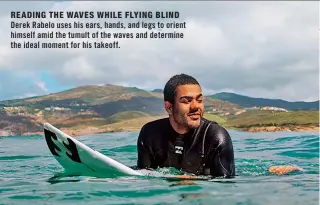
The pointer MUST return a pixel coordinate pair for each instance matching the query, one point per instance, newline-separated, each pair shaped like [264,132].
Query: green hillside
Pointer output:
[91,120]
[127,115]
[269,118]
[245,101]
[216,118]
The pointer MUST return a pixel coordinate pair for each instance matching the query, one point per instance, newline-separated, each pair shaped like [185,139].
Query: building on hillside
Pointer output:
[56,109]
[252,108]
[18,108]
[240,112]
[274,109]
[61,108]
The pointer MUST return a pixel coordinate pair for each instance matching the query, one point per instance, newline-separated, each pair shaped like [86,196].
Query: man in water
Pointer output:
[187,141]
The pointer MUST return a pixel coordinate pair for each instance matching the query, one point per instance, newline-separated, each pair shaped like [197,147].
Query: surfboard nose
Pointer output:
[46,125]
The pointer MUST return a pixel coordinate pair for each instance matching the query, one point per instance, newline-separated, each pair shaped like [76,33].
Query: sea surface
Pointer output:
[27,168]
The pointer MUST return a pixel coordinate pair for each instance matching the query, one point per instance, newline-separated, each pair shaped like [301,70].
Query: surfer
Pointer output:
[186,140]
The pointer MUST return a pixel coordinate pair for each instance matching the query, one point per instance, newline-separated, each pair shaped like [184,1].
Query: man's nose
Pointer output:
[194,104]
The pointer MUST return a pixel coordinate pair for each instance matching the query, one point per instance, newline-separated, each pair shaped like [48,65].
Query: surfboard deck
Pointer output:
[78,159]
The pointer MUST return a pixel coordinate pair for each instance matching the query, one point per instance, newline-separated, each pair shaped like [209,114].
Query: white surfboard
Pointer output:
[79,159]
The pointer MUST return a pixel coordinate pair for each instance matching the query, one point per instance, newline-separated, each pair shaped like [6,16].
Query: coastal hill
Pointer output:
[94,109]
[245,101]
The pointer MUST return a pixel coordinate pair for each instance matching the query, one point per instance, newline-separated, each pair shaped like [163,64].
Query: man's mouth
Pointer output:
[194,116]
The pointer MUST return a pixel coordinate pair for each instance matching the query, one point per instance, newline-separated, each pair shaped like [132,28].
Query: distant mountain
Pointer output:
[157,91]
[103,100]
[219,106]
[107,100]
[245,101]
[90,95]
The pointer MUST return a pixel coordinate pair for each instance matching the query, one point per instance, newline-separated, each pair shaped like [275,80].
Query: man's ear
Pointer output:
[168,107]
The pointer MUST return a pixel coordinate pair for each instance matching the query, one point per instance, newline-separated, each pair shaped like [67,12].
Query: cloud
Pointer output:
[262,49]
[20,85]
[42,86]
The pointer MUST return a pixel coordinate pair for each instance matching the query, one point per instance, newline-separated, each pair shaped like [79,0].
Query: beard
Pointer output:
[183,120]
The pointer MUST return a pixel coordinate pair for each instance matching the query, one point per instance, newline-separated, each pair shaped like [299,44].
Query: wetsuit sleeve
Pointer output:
[222,158]
[144,153]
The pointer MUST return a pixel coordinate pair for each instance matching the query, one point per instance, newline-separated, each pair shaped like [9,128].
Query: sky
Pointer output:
[258,49]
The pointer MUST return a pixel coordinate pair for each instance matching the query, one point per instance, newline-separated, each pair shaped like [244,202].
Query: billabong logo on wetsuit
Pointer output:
[178,149]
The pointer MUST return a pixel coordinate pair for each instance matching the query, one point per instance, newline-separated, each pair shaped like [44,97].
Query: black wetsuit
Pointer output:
[207,150]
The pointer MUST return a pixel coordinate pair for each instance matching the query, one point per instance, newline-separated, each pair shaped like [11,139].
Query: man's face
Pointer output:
[188,106]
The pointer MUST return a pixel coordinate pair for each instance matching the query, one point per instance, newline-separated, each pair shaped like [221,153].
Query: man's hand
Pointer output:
[186,177]
[185,182]
[279,170]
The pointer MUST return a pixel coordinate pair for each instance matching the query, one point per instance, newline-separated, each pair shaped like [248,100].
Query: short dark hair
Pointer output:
[170,89]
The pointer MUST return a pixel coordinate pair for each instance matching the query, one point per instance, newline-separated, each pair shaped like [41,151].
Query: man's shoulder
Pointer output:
[206,123]
[151,130]
[214,129]
[155,124]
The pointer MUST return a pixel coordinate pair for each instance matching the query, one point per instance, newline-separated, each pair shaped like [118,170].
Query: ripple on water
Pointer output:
[18,157]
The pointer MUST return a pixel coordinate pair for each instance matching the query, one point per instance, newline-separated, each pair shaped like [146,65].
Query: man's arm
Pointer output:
[222,161]
[144,152]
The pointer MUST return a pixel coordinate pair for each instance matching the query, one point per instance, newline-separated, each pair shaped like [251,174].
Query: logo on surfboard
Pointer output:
[71,146]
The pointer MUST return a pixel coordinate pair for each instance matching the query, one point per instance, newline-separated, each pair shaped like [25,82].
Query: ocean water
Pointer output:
[27,168]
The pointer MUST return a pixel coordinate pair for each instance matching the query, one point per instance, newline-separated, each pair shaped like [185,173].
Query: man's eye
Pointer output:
[185,101]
